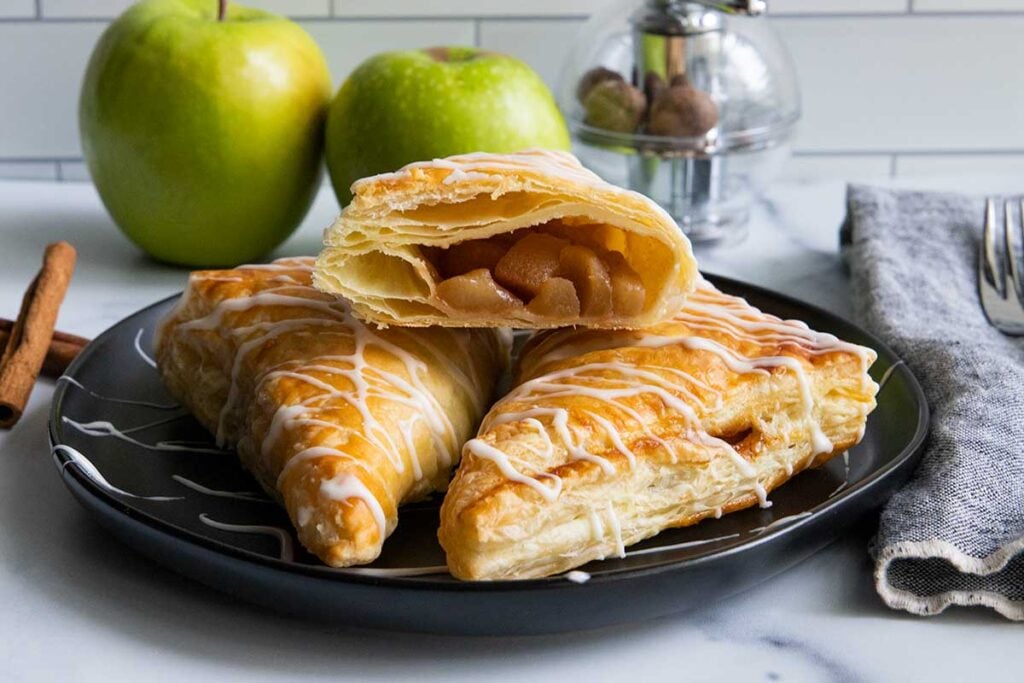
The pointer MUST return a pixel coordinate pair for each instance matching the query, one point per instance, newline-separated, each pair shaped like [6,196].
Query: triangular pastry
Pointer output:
[528,240]
[610,437]
[339,421]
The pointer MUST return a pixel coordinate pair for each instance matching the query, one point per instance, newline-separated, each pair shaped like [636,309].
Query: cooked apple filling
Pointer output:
[547,274]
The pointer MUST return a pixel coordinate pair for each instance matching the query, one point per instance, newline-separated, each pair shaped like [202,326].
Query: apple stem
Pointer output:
[222,9]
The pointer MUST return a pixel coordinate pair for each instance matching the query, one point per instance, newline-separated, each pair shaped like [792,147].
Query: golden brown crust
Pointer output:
[610,437]
[340,422]
[378,252]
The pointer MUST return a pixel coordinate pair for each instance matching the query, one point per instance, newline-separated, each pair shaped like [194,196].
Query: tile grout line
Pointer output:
[325,18]
[39,160]
[333,14]
[476,32]
[908,153]
[905,14]
[894,156]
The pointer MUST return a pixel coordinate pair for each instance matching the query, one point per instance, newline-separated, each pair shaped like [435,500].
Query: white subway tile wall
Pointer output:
[803,166]
[107,9]
[346,44]
[17,9]
[72,170]
[28,170]
[969,5]
[463,8]
[959,164]
[891,87]
[541,44]
[838,6]
[41,67]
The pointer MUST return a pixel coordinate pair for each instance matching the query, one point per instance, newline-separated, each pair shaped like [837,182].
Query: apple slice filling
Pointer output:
[476,291]
[548,275]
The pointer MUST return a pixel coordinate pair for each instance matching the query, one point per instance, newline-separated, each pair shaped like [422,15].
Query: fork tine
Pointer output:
[988,245]
[1013,255]
[1006,255]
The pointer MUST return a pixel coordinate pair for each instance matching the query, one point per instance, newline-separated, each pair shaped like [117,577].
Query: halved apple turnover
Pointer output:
[528,240]
[340,422]
[609,437]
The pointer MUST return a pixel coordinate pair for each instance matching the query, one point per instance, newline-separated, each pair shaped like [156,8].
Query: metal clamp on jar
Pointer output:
[692,103]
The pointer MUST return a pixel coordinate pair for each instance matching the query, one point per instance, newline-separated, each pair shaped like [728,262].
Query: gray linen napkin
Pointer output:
[955,534]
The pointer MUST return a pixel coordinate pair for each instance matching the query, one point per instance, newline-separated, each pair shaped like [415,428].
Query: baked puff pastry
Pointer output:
[610,437]
[340,422]
[528,240]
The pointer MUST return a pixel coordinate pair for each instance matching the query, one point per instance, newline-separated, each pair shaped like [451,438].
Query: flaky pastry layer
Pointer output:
[610,437]
[393,250]
[340,422]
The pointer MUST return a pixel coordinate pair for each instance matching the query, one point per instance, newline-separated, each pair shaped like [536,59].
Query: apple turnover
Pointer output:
[528,240]
[609,437]
[340,422]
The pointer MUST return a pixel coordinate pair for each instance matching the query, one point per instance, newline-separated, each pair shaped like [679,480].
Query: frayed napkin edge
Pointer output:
[929,605]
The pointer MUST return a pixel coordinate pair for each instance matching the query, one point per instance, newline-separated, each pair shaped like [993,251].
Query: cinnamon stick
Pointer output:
[32,332]
[63,349]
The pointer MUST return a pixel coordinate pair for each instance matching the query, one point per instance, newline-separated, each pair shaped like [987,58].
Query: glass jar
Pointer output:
[693,104]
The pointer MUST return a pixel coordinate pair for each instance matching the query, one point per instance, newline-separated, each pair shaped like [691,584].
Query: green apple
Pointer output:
[415,105]
[202,126]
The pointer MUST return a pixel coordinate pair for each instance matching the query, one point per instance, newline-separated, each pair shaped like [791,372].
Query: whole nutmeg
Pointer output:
[680,79]
[653,84]
[682,111]
[598,74]
[614,105]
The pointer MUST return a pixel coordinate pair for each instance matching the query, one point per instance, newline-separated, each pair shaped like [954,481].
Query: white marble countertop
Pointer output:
[77,605]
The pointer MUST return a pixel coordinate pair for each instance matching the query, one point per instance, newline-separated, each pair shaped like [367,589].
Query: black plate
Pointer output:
[150,493]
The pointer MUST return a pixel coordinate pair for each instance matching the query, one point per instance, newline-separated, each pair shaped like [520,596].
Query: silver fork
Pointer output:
[999,270]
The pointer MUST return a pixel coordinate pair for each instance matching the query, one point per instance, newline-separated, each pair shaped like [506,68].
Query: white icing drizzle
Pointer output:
[482,449]
[287,553]
[577,576]
[617,384]
[239,495]
[616,439]
[740,365]
[146,404]
[87,468]
[345,487]
[314,453]
[839,489]
[478,165]
[888,374]
[677,546]
[103,428]
[781,521]
[287,303]
[142,354]
[846,474]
